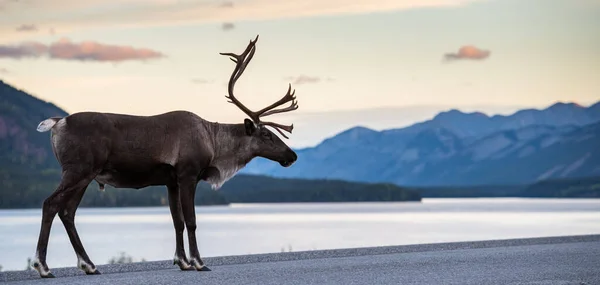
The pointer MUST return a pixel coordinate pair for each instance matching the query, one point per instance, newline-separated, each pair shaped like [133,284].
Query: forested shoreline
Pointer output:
[28,190]
[20,189]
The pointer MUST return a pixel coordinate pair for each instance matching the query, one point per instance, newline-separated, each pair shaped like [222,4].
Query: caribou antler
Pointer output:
[289,96]
[277,127]
[241,62]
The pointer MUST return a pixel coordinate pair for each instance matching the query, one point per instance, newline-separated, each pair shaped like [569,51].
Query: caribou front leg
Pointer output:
[177,216]
[188,194]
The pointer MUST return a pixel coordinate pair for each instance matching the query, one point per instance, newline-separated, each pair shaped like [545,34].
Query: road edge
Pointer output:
[303,255]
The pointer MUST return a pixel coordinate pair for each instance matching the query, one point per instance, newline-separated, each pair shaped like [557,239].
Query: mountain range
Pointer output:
[451,149]
[458,149]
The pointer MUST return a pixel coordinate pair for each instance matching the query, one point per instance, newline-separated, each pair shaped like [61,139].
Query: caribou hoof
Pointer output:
[184,266]
[49,275]
[42,270]
[198,266]
[95,272]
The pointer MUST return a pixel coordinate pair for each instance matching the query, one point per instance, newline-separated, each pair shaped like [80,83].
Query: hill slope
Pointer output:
[21,146]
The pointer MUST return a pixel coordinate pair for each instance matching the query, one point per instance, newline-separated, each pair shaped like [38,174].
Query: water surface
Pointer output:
[263,228]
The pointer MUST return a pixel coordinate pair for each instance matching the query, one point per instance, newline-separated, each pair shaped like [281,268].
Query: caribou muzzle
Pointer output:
[290,158]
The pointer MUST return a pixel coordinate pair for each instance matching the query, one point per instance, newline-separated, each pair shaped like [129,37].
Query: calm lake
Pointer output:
[262,228]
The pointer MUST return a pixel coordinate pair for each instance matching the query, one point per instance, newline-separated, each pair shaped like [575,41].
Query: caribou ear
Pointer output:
[250,127]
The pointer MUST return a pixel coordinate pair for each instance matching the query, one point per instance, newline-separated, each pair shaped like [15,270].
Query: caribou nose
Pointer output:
[291,157]
[294,156]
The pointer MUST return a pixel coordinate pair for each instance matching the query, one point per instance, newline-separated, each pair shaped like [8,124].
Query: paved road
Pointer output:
[561,260]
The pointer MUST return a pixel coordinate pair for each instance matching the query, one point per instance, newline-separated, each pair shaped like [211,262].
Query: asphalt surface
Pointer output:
[555,260]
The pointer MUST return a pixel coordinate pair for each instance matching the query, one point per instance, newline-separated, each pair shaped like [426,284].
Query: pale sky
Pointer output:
[375,63]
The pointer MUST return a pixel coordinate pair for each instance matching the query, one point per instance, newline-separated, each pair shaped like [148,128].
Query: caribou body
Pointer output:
[177,149]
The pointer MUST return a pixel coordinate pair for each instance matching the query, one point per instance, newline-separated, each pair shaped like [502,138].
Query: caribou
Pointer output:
[177,149]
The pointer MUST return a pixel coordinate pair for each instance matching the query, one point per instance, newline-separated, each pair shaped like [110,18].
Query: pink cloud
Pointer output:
[85,51]
[468,52]
[94,51]
[25,49]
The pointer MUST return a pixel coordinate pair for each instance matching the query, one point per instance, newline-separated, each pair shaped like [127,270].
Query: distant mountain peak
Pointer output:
[455,113]
[352,134]
[357,132]
[563,105]
[360,129]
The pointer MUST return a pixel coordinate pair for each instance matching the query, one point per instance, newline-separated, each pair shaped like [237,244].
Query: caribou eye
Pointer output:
[267,135]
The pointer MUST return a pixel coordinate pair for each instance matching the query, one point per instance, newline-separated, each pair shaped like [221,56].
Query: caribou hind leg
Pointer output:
[178,223]
[188,193]
[71,183]
[67,216]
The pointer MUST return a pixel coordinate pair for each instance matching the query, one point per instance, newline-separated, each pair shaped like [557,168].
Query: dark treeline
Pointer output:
[483,191]
[586,187]
[558,188]
[260,189]
[29,189]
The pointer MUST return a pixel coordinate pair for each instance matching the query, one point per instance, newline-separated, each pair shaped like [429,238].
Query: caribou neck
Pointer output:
[231,146]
